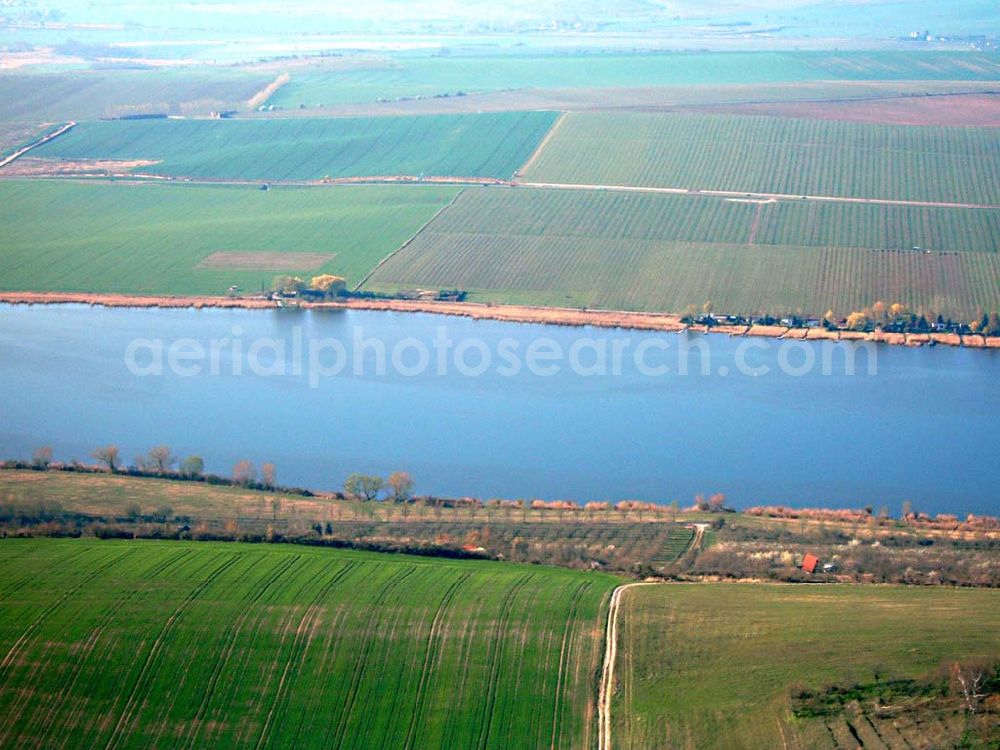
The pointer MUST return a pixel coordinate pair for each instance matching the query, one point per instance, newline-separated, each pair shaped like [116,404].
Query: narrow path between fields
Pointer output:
[699,537]
[406,244]
[607,688]
[541,146]
[606,691]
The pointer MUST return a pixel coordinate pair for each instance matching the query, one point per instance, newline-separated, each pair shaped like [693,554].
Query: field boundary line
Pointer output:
[465,182]
[406,244]
[541,145]
[40,142]
[607,686]
[754,196]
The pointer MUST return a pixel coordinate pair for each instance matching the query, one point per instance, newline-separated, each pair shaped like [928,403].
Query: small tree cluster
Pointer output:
[331,286]
[368,488]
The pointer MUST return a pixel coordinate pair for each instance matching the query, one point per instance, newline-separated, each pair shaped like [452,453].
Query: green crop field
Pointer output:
[390,78]
[879,227]
[637,251]
[152,238]
[146,644]
[82,95]
[774,155]
[490,145]
[710,666]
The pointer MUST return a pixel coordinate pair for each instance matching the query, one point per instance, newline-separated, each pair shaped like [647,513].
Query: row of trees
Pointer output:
[159,460]
[898,317]
[397,487]
[162,461]
[892,317]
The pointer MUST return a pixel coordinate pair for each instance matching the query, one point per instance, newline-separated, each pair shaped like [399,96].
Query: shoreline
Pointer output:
[561,316]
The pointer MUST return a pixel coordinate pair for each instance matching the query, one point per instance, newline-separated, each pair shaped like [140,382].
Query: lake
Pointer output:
[489,409]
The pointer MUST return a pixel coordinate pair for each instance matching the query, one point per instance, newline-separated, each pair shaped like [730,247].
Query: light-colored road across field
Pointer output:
[753,196]
[51,136]
[607,687]
[489,181]
[606,690]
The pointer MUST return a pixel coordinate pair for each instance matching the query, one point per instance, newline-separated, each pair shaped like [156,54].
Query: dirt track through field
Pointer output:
[261,97]
[607,687]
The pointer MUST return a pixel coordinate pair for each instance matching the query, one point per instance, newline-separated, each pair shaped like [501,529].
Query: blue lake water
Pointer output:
[923,428]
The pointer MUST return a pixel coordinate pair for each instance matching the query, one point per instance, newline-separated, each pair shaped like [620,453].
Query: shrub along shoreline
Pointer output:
[571,317]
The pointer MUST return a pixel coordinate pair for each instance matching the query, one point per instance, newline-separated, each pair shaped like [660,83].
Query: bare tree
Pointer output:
[275,507]
[968,680]
[108,456]
[42,457]
[244,472]
[161,459]
[401,485]
[269,475]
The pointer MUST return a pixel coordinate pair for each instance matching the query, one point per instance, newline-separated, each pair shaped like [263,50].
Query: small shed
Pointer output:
[809,563]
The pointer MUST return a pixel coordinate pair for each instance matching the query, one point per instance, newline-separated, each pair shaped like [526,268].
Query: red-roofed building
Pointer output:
[809,563]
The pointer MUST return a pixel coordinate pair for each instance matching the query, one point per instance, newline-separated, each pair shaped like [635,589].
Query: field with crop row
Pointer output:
[137,645]
[712,666]
[654,252]
[373,79]
[151,238]
[492,145]
[774,155]
[879,227]
[82,95]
